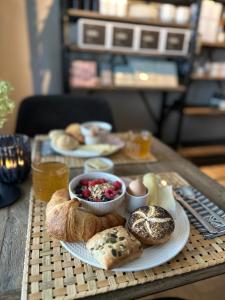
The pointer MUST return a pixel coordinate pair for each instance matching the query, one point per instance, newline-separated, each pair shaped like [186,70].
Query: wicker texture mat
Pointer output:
[118,158]
[51,272]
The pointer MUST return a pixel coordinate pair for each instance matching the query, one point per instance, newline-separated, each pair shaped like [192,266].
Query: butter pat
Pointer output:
[100,164]
[150,180]
[159,195]
[166,199]
[97,164]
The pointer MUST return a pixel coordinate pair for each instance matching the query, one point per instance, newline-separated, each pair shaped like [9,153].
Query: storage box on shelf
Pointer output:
[122,36]
[176,41]
[92,34]
[149,39]
[209,22]
[143,10]
[114,36]
[113,7]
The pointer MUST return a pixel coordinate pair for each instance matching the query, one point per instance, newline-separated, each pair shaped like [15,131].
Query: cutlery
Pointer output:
[204,222]
[186,192]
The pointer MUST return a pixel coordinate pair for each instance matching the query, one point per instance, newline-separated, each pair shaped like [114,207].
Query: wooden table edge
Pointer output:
[145,289]
[161,285]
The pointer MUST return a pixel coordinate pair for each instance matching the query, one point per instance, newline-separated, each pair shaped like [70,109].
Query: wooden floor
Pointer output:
[217,172]
[210,289]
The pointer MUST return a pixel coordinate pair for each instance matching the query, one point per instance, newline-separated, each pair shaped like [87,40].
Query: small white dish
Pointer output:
[92,140]
[98,208]
[105,165]
[134,202]
[99,137]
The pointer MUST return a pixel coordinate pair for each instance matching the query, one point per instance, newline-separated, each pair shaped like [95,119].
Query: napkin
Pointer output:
[205,214]
[46,149]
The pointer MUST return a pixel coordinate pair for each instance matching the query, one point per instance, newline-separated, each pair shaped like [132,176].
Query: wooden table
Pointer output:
[13,226]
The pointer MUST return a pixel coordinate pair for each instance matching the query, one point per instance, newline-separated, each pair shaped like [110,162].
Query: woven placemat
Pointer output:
[118,158]
[50,272]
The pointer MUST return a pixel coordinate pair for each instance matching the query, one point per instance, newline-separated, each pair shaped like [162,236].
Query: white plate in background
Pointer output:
[111,139]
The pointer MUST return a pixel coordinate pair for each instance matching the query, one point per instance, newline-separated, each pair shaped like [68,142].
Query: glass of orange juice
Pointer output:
[139,144]
[48,177]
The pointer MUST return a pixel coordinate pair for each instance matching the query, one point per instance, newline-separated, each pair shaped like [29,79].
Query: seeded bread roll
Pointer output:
[113,247]
[151,225]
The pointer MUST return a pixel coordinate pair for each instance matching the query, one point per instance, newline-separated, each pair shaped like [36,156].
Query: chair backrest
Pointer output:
[39,114]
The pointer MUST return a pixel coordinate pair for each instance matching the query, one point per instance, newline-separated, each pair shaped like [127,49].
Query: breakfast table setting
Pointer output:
[117,215]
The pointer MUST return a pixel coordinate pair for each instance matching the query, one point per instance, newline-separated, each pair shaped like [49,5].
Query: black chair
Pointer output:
[39,114]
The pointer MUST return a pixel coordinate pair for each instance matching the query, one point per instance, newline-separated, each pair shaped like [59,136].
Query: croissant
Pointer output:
[66,222]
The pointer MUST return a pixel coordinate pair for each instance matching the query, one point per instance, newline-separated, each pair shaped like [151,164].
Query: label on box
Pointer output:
[149,39]
[122,37]
[175,41]
[94,34]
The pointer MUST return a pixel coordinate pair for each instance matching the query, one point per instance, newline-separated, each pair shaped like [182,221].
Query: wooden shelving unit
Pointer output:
[213,44]
[179,88]
[206,77]
[78,13]
[203,111]
[70,16]
[200,151]
[75,48]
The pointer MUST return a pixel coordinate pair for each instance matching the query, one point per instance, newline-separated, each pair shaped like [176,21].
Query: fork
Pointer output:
[189,194]
[204,222]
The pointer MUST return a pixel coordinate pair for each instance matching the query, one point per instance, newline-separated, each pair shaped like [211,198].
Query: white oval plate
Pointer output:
[152,256]
[111,139]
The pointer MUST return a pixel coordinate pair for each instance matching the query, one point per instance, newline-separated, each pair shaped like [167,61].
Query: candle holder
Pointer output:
[15,162]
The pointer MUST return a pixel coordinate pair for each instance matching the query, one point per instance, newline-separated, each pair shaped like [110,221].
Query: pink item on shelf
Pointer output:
[83,74]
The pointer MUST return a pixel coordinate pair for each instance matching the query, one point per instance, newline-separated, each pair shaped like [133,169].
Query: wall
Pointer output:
[44,44]
[14,52]
[30,59]
[29,49]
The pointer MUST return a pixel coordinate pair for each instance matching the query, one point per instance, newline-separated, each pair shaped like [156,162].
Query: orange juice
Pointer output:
[139,144]
[49,177]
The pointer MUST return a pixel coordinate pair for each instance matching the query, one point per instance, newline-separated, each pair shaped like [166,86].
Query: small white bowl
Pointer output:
[89,139]
[92,140]
[108,162]
[134,202]
[98,208]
